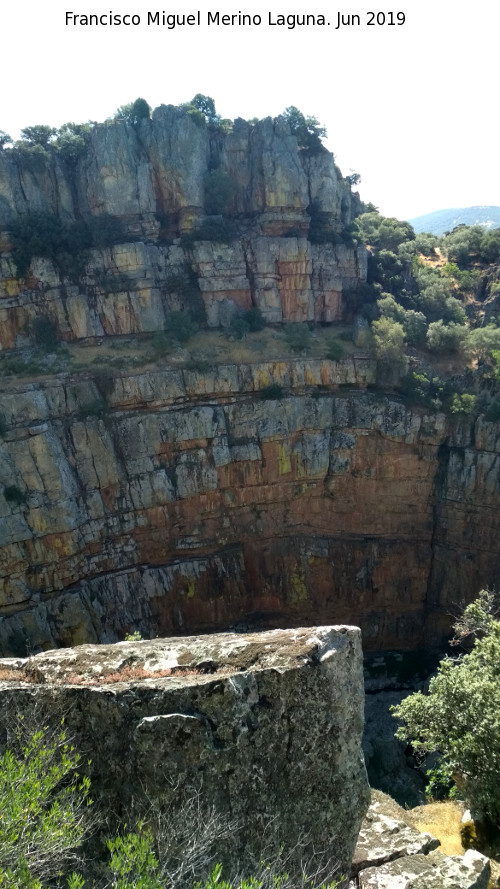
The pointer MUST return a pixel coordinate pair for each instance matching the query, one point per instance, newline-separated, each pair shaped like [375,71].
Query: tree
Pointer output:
[389,340]
[459,718]
[206,105]
[40,134]
[134,112]
[307,130]
[5,139]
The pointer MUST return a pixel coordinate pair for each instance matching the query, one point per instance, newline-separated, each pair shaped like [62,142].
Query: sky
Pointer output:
[412,108]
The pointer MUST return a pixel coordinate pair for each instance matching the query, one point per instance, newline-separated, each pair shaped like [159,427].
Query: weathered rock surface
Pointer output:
[152,179]
[433,871]
[390,854]
[267,726]
[191,505]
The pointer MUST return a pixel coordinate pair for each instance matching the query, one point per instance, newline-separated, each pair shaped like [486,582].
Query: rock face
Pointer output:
[267,725]
[392,855]
[154,179]
[191,504]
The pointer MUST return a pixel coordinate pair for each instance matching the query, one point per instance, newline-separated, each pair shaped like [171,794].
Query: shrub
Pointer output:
[493,411]
[463,404]
[181,326]
[298,337]
[13,494]
[45,334]
[222,231]
[443,337]
[220,189]
[307,130]
[460,716]
[255,319]
[238,328]
[274,392]
[334,350]
[44,805]
[389,341]
[105,383]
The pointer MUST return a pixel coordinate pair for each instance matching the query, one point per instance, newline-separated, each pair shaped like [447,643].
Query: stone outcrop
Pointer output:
[390,854]
[267,726]
[191,504]
[151,178]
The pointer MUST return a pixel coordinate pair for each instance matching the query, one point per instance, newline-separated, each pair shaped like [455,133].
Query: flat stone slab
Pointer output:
[382,839]
[433,871]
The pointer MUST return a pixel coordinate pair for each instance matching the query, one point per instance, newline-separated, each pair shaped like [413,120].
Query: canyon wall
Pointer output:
[192,504]
[155,180]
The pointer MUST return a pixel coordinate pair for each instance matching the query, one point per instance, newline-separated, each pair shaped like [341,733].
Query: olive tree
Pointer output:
[459,717]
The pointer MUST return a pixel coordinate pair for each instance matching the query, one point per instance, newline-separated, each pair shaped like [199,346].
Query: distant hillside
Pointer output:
[445,220]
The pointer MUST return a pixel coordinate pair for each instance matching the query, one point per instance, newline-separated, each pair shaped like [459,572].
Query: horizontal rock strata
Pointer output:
[192,504]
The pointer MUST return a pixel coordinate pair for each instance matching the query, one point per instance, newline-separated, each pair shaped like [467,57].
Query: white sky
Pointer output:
[412,108]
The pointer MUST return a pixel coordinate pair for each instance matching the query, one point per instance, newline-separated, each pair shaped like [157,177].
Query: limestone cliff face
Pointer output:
[193,504]
[267,727]
[152,178]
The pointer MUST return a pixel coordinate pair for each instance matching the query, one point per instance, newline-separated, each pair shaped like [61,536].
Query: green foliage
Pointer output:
[33,157]
[441,784]
[274,392]
[307,130]
[483,341]
[445,337]
[238,328]
[70,141]
[45,334]
[434,296]
[298,337]
[220,189]
[206,105]
[489,248]
[180,325]
[389,341]
[105,383]
[255,319]
[40,134]
[413,323]
[493,411]
[13,494]
[133,863]
[463,404]
[65,244]
[44,808]
[383,232]
[460,716]
[134,112]
[98,408]
[133,637]
[5,139]
[423,389]
[463,244]
[334,350]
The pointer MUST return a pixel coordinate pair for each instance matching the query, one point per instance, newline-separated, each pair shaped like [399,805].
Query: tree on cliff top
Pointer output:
[134,112]
[460,715]
[307,130]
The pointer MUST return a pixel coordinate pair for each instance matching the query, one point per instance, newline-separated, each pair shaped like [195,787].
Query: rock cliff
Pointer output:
[267,727]
[155,181]
[193,504]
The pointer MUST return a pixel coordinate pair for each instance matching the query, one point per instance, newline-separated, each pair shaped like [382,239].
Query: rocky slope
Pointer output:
[190,503]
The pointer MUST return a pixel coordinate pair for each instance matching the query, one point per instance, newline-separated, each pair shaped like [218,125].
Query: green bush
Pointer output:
[334,350]
[220,189]
[463,404]
[44,810]
[255,319]
[274,392]
[389,341]
[298,337]
[493,411]
[181,326]
[45,334]
[460,716]
[13,494]
[134,112]
[238,328]
[443,337]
